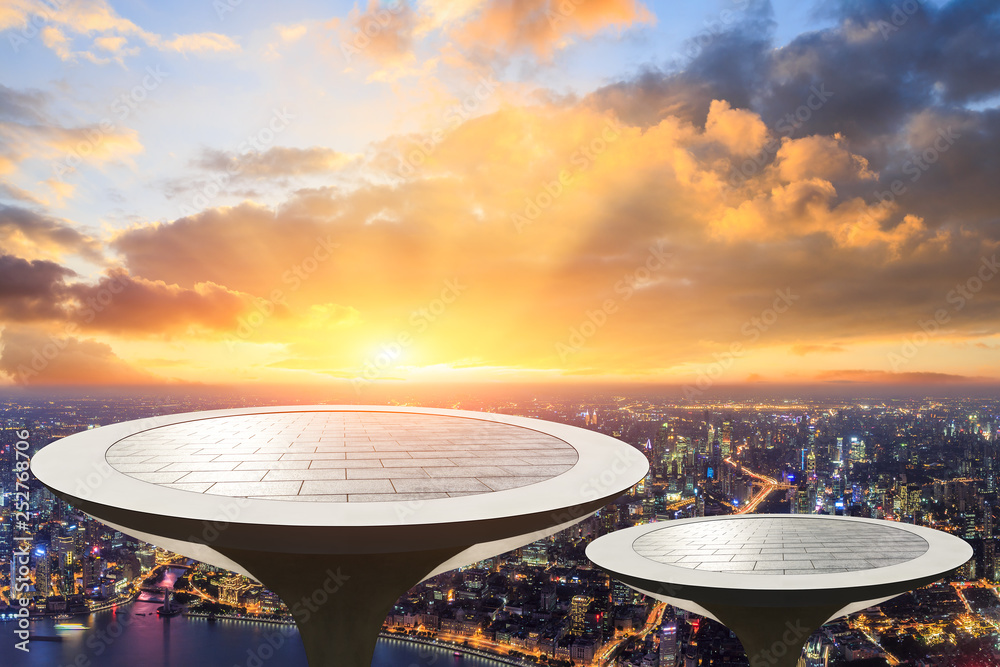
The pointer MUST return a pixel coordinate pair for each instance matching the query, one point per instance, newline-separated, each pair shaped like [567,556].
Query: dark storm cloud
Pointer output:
[725,64]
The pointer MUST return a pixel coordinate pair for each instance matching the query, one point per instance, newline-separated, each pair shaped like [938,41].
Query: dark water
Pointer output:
[126,638]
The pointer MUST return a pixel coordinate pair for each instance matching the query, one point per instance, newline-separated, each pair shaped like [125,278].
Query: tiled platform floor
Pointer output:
[786,545]
[342,456]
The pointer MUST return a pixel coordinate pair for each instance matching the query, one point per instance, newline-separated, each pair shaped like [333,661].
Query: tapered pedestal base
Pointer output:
[339,601]
[772,636]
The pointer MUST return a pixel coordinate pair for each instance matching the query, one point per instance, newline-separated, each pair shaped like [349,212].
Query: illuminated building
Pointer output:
[578,613]
[621,594]
[858,453]
[668,645]
[230,590]
[535,554]
[43,575]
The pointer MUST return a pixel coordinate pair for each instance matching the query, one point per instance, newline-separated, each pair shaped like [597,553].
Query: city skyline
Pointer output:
[925,461]
[609,191]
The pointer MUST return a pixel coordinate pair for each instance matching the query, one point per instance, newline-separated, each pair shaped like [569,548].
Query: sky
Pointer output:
[740,192]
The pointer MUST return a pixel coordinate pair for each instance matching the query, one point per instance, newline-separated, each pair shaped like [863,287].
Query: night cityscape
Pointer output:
[570,333]
[924,461]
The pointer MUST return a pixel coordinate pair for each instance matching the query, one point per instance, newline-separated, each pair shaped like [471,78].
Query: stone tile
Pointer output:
[467,471]
[139,467]
[346,464]
[348,486]
[393,497]
[510,482]
[440,485]
[274,465]
[226,476]
[158,477]
[199,487]
[255,488]
[301,475]
[199,466]
[385,473]
[444,454]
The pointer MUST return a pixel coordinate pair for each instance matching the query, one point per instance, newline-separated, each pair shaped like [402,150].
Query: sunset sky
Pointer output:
[234,191]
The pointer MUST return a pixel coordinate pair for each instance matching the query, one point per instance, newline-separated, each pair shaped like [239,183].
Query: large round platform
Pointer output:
[756,573]
[383,496]
[342,456]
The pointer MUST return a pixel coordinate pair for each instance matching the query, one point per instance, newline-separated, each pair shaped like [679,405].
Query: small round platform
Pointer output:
[758,573]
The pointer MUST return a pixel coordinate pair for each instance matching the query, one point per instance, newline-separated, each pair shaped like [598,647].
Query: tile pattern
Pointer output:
[342,456]
[782,545]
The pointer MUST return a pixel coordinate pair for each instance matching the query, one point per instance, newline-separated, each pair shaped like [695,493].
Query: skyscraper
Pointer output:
[43,576]
[668,645]
[578,613]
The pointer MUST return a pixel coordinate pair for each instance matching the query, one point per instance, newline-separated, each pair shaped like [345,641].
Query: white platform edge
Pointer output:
[614,552]
[606,466]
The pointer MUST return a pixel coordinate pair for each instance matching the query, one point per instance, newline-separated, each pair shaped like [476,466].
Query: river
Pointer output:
[134,636]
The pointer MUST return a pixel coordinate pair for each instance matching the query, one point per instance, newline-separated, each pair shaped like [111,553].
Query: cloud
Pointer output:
[741,131]
[382,33]
[118,303]
[205,42]
[544,26]
[32,357]
[543,250]
[32,290]
[276,162]
[329,316]
[647,227]
[292,33]
[883,377]
[25,233]
[261,247]
[473,31]
[92,30]
[822,157]
[29,132]
[804,349]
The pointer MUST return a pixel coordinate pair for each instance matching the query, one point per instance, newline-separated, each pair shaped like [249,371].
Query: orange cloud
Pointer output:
[821,157]
[544,26]
[27,234]
[121,303]
[741,131]
[383,33]
[802,350]
[559,211]
[553,238]
[32,357]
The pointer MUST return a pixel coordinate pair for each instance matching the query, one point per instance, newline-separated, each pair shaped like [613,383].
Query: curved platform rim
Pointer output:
[615,553]
[76,467]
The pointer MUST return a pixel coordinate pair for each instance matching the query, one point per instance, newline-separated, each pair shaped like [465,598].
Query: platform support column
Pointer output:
[773,636]
[339,601]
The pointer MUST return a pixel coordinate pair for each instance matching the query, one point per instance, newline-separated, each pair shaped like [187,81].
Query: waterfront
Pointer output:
[124,638]
[133,634]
